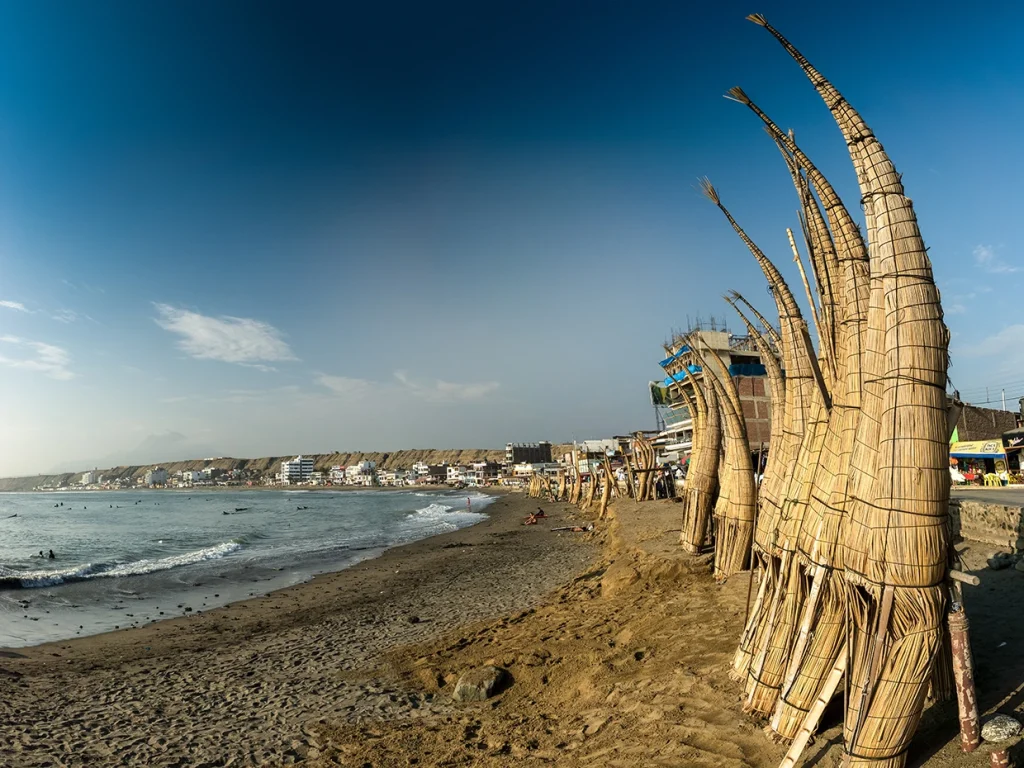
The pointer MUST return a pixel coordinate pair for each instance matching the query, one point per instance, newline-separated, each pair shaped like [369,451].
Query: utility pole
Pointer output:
[1004,399]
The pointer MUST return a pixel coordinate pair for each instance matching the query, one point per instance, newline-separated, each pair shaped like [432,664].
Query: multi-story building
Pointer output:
[482,473]
[361,473]
[739,359]
[156,476]
[297,470]
[527,453]
[456,474]
[88,478]
[337,475]
[435,474]
[538,467]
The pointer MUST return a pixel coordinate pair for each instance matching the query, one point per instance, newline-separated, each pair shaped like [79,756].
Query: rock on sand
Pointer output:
[481,683]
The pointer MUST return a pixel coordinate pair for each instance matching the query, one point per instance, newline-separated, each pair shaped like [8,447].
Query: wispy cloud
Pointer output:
[17,306]
[439,391]
[36,356]
[344,386]
[435,391]
[239,340]
[985,256]
[65,316]
[955,309]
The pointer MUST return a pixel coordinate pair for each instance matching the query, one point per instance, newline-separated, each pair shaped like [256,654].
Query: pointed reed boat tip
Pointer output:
[737,94]
[709,190]
[758,19]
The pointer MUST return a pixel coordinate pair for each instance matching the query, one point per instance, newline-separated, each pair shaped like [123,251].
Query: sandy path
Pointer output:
[627,666]
[239,685]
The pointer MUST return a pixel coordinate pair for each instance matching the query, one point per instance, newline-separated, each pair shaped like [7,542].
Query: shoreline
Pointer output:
[282,657]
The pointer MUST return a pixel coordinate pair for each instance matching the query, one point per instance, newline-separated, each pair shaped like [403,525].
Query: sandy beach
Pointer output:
[238,685]
[618,645]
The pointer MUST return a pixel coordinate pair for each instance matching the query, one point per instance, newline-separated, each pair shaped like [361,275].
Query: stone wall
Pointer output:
[984,423]
[996,524]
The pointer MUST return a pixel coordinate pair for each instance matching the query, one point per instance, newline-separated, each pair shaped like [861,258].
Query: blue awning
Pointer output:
[678,378]
[682,351]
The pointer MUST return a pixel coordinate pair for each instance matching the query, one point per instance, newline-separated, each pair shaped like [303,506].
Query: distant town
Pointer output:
[522,461]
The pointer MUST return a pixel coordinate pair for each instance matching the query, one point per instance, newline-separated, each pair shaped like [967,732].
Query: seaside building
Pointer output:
[435,474]
[590,454]
[88,478]
[482,473]
[421,468]
[361,473]
[527,469]
[297,470]
[741,361]
[456,474]
[155,476]
[527,453]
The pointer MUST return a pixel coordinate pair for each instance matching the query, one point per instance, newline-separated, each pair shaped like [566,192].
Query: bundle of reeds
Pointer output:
[769,503]
[701,487]
[895,538]
[734,510]
[766,640]
[645,464]
[822,628]
[607,487]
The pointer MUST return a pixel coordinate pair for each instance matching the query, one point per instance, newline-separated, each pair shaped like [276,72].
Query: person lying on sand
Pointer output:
[531,520]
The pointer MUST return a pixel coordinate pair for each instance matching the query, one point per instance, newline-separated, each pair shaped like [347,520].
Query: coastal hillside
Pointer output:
[270,464]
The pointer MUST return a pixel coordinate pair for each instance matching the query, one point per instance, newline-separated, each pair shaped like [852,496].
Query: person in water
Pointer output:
[52,556]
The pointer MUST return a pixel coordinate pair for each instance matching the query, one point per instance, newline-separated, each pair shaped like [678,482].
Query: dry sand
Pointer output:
[618,652]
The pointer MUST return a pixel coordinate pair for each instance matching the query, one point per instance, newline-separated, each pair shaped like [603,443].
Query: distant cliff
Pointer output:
[269,464]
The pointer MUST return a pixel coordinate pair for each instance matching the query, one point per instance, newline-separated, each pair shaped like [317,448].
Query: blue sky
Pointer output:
[265,228]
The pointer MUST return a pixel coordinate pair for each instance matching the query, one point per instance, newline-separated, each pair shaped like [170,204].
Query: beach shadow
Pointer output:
[995,610]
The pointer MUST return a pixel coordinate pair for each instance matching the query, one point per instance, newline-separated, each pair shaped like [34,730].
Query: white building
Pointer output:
[421,468]
[481,473]
[361,473]
[192,476]
[88,478]
[456,473]
[540,467]
[337,475]
[298,470]
[157,476]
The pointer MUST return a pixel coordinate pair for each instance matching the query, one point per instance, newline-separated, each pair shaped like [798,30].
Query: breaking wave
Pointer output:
[13,579]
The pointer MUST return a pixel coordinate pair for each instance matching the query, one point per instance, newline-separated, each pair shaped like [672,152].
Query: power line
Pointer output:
[996,400]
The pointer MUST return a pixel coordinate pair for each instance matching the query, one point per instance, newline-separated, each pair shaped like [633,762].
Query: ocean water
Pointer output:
[126,558]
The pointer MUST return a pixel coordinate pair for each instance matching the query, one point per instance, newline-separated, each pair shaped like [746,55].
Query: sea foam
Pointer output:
[51,578]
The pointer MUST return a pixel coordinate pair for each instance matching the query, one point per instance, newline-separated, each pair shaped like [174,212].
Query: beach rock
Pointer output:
[999,561]
[481,683]
[1000,728]
[1020,566]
